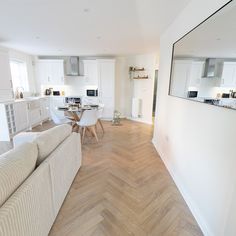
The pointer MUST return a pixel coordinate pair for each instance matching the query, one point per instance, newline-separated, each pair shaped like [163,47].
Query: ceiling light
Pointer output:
[98,37]
[86,10]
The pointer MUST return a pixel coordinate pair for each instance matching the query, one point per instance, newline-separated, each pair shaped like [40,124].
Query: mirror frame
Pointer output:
[172,57]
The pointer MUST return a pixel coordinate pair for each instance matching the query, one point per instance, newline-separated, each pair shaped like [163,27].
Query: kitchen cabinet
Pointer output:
[34,113]
[6,91]
[13,118]
[180,76]
[91,73]
[106,88]
[50,72]
[196,72]
[21,116]
[186,74]
[45,106]
[100,73]
[228,78]
[56,102]
[17,116]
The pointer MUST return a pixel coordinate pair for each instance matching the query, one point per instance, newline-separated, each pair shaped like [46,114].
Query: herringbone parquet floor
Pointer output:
[123,188]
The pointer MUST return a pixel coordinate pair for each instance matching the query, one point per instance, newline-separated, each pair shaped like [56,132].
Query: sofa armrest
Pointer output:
[24,137]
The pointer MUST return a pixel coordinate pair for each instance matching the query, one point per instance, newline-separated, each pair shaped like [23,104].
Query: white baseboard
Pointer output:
[140,120]
[192,206]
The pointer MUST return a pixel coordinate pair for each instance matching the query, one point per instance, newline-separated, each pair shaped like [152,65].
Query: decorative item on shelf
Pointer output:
[141,77]
[136,73]
[116,118]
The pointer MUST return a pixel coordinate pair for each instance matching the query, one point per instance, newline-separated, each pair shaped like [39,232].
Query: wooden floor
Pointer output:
[123,188]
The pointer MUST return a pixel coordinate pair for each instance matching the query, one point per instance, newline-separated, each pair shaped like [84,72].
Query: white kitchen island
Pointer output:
[21,115]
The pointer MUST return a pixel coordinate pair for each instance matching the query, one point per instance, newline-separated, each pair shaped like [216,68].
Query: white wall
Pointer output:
[197,141]
[29,59]
[127,88]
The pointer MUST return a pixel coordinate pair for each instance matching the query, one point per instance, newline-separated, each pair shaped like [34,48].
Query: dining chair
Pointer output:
[59,120]
[88,122]
[100,114]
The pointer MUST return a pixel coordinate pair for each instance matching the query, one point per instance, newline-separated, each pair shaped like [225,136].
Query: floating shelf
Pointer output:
[141,77]
[134,69]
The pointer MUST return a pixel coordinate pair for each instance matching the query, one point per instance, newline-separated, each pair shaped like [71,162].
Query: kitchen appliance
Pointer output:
[212,101]
[92,92]
[56,93]
[72,66]
[192,94]
[48,92]
[73,100]
[225,95]
[233,94]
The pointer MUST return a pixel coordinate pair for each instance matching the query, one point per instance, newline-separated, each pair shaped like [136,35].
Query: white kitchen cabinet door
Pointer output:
[91,73]
[228,78]
[45,106]
[6,91]
[43,73]
[56,102]
[179,82]
[5,72]
[34,113]
[57,72]
[21,116]
[50,72]
[106,90]
[196,73]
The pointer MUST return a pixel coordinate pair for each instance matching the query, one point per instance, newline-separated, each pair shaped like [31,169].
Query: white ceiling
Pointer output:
[86,27]
[216,37]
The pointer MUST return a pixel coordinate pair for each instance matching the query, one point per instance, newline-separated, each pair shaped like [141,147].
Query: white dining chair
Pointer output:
[88,122]
[59,120]
[100,114]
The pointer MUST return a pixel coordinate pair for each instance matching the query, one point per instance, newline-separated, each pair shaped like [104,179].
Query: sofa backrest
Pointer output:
[29,211]
[64,163]
[49,140]
[15,166]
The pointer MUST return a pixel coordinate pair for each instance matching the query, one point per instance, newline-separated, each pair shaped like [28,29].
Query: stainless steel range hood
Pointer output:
[213,68]
[72,66]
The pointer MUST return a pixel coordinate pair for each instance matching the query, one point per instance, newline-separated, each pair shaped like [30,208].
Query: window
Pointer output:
[19,75]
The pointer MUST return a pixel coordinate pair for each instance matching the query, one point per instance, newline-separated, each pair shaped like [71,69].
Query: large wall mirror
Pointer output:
[204,61]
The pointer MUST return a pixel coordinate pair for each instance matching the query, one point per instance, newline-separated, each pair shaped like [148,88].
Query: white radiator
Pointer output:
[136,108]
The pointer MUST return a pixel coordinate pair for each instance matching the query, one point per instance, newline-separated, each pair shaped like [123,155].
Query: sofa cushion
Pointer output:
[24,137]
[50,139]
[15,166]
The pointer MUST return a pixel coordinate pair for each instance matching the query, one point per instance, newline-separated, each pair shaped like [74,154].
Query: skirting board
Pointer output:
[192,206]
[139,120]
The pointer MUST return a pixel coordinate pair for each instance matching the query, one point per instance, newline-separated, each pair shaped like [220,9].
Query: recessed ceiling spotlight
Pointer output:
[86,10]
[98,37]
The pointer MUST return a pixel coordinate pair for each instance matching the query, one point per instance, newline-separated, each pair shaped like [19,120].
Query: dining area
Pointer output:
[85,120]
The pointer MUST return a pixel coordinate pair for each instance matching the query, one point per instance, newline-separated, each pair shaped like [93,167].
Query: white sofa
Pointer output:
[35,178]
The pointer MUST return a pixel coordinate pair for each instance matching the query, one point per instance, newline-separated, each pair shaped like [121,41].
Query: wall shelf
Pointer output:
[141,77]
[137,73]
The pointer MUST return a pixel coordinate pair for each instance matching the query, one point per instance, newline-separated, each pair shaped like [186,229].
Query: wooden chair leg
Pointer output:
[83,135]
[100,122]
[94,132]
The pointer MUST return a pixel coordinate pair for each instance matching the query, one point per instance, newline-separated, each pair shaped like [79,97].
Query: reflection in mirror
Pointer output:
[204,61]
